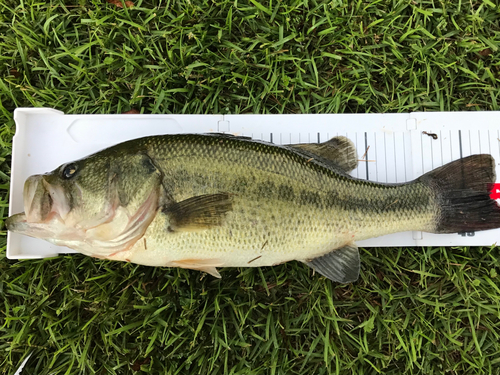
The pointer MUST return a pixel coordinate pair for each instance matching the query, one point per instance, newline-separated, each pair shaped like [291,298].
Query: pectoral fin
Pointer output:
[338,151]
[198,213]
[341,265]
[205,265]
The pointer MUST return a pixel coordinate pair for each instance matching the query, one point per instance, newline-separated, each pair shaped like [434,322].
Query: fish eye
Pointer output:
[69,171]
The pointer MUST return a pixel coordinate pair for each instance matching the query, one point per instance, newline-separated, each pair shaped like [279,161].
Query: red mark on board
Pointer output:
[495,192]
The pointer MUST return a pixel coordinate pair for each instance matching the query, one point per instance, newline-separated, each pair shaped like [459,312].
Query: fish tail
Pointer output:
[462,193]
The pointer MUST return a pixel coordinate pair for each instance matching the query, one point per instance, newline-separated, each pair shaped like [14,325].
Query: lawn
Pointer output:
[413,311]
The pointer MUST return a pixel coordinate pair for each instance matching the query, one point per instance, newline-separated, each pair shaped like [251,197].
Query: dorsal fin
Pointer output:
[338,151]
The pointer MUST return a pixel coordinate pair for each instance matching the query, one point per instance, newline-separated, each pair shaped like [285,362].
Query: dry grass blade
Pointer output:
[120,4]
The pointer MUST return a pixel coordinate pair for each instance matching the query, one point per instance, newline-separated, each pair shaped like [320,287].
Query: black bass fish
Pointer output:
[206,201]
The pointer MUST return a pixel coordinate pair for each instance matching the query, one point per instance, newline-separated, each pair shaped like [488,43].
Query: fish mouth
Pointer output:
[43,201]
[45,207]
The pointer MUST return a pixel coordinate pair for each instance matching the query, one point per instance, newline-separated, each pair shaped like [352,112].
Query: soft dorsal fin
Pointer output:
[198,213]
[340,265]
[339,151]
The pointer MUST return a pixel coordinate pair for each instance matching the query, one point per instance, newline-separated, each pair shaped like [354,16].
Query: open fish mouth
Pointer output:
[43,201]
[45,207]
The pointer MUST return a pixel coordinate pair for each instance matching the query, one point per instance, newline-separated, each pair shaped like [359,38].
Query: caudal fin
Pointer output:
[462,190]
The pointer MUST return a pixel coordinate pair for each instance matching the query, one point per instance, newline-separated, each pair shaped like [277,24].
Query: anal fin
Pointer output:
[340,265]
[205,265]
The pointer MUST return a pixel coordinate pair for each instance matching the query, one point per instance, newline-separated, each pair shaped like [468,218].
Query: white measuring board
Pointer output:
[391,147]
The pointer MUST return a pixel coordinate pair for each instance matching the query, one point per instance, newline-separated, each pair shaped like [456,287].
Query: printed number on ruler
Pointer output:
[468,234]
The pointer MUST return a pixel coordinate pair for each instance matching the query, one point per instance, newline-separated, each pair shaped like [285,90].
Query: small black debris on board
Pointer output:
[433,135]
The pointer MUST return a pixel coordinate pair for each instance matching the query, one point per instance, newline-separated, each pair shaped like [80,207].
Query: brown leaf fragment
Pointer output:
[485,52]
[133,111]
[137,364]
[14,72]
[119,4]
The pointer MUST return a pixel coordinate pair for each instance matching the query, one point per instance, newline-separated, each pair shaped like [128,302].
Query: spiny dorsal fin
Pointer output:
[198,213]
[339,151]
[341,265]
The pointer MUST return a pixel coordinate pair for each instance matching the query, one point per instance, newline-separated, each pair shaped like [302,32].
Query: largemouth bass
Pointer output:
[206,201]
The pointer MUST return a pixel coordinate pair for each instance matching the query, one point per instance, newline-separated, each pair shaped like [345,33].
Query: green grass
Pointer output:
[414,311]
